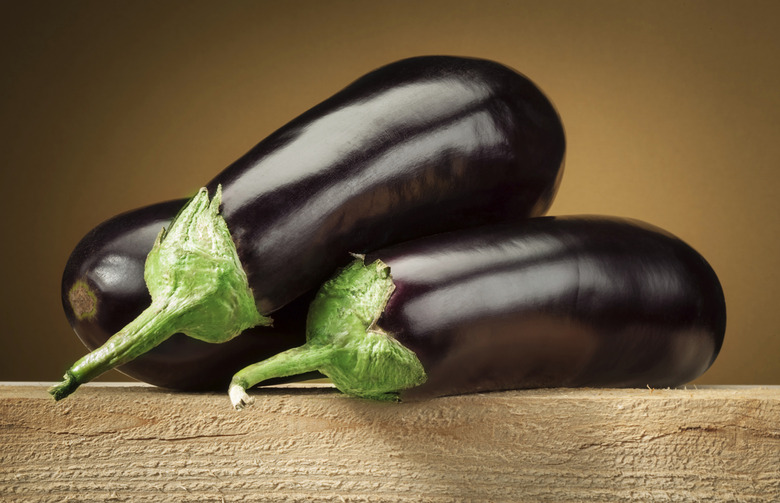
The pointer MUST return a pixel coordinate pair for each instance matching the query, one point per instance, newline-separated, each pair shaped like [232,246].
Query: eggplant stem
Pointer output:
[149,329]
[294,361]
[197,284]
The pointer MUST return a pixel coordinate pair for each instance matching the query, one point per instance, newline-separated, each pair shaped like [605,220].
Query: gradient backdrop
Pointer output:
[672,112]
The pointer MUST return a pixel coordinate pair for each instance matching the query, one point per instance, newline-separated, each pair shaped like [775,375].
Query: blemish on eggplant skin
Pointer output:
[82,300]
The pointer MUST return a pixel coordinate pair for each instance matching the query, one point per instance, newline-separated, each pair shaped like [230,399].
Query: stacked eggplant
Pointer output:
[394,234]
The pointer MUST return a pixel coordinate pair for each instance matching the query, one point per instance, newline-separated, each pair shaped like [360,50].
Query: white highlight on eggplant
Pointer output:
[489,295]
[287,164]
[455,259]
[113,271]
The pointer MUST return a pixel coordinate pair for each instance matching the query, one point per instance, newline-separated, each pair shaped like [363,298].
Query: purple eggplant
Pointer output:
[547,302]
[420,146]
[103,290]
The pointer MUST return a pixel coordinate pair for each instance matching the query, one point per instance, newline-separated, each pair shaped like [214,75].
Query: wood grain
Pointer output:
[139,443]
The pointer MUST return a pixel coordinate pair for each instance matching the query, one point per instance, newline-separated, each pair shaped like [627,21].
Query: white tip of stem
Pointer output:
[239,397]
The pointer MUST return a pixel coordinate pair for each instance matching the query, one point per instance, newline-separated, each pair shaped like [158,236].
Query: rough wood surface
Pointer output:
[143,444]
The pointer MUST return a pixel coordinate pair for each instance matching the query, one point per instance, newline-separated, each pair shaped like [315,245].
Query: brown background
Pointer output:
[671,111]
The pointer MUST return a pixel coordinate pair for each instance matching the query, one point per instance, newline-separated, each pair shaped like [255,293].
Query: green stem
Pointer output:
[197,284]
[294,361]
[149,329]
[344,341]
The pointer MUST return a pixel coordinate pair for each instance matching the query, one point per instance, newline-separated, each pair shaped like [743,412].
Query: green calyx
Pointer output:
[197,285]
[194,270]
[344,341]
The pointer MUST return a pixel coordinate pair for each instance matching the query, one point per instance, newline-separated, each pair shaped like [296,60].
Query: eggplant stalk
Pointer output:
[344,341]
[198,287]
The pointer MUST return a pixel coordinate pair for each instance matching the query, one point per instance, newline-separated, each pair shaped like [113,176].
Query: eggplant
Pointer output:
[103,290]
[416,147]
[548,302]
[420,146]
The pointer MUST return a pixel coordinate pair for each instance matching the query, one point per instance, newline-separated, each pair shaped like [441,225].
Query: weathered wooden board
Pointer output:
[138,443]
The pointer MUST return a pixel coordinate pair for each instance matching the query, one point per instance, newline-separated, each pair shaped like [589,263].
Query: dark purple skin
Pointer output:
[554,302]
[103,290]
[419,146]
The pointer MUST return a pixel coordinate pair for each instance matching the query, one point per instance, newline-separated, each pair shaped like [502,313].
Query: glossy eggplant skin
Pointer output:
[420,146]
[103,289]
[554,302]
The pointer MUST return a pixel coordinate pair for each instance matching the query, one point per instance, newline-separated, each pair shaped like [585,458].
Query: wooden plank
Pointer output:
[137,443]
